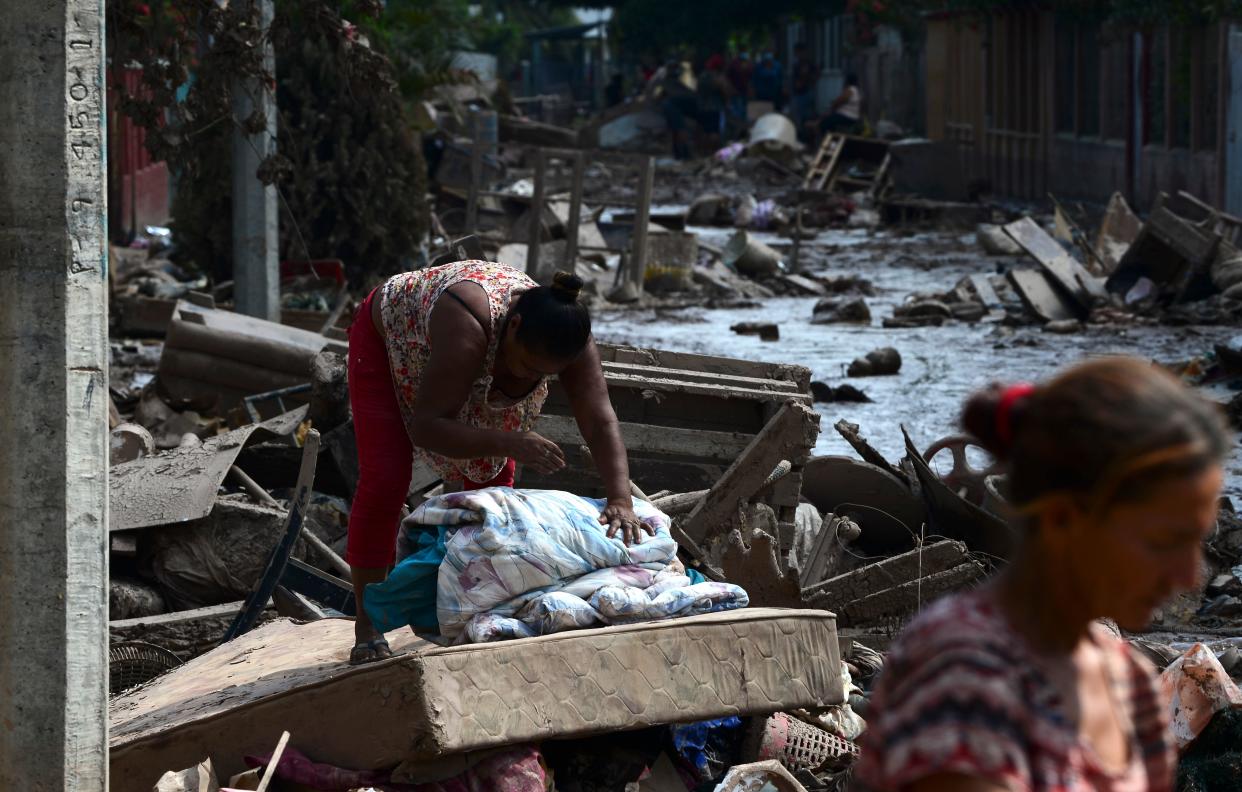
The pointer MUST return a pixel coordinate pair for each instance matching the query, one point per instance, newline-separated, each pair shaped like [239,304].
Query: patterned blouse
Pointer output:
[405,308]
[963,693]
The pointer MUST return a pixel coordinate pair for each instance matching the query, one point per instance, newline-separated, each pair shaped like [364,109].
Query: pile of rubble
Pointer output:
[234,464]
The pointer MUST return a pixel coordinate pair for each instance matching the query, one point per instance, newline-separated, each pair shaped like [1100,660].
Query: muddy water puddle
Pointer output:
[941,365]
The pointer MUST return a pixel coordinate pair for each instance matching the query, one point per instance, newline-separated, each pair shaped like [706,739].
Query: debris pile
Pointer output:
[234,463]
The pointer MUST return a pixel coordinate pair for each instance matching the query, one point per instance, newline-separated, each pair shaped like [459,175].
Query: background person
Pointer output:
[845,113]
[804,79]
[768,81]
[1115,470]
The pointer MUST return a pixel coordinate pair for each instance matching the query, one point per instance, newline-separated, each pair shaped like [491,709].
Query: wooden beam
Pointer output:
[648,439]
[536,217]
[865,581]
[1039,296]
[1061,268]
[911,596]
[638,249]
[476,173]
[789,435]
[575,213]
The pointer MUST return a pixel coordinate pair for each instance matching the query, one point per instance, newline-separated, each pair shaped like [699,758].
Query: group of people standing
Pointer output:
[715,97]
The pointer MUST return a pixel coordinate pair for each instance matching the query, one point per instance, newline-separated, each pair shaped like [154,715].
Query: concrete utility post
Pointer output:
[256,238]
[53,398]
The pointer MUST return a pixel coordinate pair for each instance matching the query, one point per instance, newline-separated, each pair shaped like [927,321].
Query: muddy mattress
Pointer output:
[430,700]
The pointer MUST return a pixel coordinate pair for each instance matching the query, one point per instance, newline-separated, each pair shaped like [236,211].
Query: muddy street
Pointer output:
[942,365]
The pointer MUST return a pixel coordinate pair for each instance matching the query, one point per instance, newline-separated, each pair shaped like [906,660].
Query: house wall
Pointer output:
[138,187]
[1085,170]
[1039,105]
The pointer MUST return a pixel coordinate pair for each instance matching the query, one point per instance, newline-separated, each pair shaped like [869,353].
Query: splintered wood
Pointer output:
[686,421]
[896,586]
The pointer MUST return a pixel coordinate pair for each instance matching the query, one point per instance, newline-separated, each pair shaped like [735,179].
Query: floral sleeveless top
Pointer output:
[405,308]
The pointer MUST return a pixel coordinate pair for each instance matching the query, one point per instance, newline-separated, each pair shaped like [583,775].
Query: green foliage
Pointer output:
[1131,13]
[419,37]
[659,26]
[350,173]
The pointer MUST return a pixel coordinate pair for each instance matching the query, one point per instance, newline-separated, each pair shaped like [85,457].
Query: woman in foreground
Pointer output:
[1114,471]
[451,364]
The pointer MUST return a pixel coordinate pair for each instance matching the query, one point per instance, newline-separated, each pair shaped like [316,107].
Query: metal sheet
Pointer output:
[181,484]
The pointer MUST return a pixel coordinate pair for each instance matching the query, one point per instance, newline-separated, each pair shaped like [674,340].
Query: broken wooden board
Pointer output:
[911,596]
[757,568]
[1041,298]
[828,550]
[800,376]
[429,700]
[836,592]
[988,296]
[1061,268]
[685,418]
[1118,230]
[804,285]
[790,435]
[648,439]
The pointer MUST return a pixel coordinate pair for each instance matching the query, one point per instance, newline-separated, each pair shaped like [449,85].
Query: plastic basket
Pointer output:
[134,662]
[795,744]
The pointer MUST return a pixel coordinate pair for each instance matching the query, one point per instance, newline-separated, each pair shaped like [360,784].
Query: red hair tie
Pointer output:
[1004,410]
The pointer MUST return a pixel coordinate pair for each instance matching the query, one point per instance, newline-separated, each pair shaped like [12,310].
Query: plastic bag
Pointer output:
[1197,687]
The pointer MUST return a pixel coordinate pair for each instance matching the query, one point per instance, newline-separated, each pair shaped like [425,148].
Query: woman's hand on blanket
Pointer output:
[537,451]
[620,516]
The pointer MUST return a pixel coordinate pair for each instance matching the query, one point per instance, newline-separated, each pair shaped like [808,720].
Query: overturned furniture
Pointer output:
[686,420]
[431,701]
[1172,252]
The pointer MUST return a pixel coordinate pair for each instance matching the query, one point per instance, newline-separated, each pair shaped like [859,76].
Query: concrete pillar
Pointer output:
[53,398]
[256,239]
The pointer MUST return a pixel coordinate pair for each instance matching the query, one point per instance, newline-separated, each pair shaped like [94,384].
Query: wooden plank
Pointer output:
[799,375]
[987,294]
[684,410]
[670,385]
[705,377]
[535,232]
[638,241]
[572,238]
[805,285]
[910,596]
[1040,297]
[791,434]
[1060,267]
[865,581]
[646,439]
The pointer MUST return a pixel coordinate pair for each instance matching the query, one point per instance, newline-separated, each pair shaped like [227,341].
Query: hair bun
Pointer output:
[567,286]
[980,420]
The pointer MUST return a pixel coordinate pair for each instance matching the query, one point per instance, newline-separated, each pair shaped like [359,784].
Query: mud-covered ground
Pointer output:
[941,365]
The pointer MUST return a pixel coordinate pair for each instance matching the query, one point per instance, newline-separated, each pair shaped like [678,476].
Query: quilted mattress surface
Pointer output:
[430,700]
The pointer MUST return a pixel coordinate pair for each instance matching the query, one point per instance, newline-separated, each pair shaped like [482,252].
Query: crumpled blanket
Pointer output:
[520,563]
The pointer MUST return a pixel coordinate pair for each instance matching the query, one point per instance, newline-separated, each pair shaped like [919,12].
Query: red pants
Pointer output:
[385,453]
